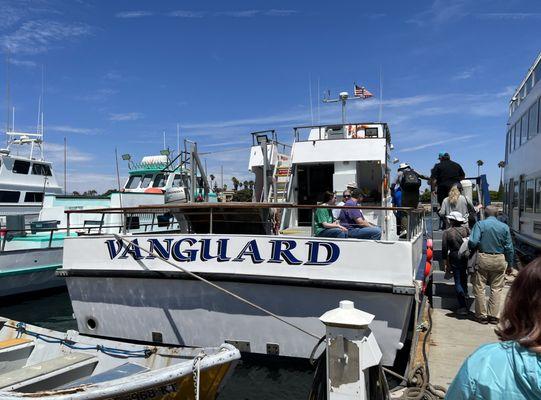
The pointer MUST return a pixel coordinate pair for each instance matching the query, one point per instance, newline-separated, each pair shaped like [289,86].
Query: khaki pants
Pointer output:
[491,272]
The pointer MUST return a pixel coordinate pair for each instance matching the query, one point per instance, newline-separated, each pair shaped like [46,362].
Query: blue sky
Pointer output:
[118,73]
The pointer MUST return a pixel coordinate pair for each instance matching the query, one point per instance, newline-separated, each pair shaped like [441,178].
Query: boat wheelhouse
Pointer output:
[141,285]
[25,176]
[522,172]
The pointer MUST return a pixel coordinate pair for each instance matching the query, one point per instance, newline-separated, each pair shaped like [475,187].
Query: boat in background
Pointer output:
[522,174]
[25,176]
[40,363]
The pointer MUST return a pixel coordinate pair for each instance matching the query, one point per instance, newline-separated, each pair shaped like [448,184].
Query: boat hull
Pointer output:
[29,271]
[188,312]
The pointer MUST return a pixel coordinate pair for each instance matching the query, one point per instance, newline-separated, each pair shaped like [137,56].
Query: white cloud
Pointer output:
[466,74]
[72,129]
[441,12]
[98,95]
[186,14]
[54,152]
[280,13]
[239,14]
[452,138]
[22,63]
[34,37]
[131,116]
[510,16]
[82,181]
[133,14]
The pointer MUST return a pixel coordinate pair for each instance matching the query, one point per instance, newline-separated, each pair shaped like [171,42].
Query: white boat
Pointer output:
[114,284]
[25,176]
[522,174]
[45,364]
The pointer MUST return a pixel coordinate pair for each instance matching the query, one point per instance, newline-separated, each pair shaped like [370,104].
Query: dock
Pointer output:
[453,339]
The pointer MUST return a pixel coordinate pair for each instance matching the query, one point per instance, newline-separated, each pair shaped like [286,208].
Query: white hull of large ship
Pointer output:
[189,312]
[29,271]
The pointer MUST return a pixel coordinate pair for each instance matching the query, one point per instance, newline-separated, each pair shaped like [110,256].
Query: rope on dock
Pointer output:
[214,285]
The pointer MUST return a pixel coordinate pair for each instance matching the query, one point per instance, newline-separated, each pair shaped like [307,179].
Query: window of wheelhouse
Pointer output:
[524,129]
[33,197]
[159,180]
[41,169]
[517,135]
[538,193]
[9,196]
[146,181]
[177,180]
[133,182]
[21,167]
[532,127]
[529,197]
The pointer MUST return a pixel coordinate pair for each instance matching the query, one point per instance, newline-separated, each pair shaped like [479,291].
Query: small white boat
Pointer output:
[41,363]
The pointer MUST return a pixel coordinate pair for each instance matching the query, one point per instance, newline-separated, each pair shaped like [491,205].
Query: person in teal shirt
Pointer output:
[324,224]
[492,239]
[510,369]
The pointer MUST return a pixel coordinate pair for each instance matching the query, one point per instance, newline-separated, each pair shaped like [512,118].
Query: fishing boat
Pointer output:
[265,253]
[25,176]
[41,363]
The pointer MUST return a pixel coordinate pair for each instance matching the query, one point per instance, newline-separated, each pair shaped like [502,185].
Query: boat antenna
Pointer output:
[310,93]
[380,93]
[318,114]
[178,143]
[65,166]
[164,139]
[119,191]
[8,99]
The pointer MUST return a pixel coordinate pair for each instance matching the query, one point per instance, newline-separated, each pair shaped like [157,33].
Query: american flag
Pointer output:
[361,91]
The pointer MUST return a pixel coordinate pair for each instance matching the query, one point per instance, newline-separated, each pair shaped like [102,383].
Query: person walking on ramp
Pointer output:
[492,239]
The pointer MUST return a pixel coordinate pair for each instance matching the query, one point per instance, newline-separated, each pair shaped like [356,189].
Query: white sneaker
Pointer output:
[403,234]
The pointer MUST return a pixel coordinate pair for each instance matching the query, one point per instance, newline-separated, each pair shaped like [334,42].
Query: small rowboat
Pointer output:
[41,363]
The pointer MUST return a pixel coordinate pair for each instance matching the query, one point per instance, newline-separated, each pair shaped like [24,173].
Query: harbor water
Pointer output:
[250,380]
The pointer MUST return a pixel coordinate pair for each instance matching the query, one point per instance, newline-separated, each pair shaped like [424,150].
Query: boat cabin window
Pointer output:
[9,196]
[529,198]
[41,169]
[21,167]
[177,181]
[159,180]
[146,181]
[33,197]
[538,194]
[133,182]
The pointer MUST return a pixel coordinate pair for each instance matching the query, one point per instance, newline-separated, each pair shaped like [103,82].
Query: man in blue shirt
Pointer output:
[353,220]
[492,239]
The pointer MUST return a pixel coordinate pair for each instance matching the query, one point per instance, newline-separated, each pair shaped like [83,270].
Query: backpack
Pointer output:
[410,180]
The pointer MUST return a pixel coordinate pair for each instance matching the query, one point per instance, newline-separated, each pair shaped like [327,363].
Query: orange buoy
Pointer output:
[428,267]
[429,254]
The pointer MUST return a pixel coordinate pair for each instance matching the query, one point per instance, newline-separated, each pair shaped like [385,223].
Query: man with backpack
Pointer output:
[445,174]
[455,262]
[409,182]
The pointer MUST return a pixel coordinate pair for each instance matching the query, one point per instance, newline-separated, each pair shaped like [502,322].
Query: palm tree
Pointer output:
[479,164]
[246,183]
[251,184]
[212,177]
[501,166]
[236,183]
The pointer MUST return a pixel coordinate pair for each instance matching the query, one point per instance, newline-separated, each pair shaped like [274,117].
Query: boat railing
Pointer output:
[238,218]
[350,130]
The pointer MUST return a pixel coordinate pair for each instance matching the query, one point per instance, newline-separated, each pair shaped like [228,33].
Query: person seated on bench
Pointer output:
[324,224]
[353,220]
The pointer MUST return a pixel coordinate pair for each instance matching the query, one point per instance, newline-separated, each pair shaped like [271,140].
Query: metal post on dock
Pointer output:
[351,351]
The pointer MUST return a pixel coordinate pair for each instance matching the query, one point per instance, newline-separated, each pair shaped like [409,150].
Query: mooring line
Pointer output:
[236,296]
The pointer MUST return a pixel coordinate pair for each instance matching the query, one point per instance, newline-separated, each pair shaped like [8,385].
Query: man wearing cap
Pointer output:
[409,182]
[492,239]
[452,239]
[353,219]
[445,174]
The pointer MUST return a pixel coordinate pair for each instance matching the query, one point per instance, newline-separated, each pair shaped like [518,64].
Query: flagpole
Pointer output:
[310,93]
